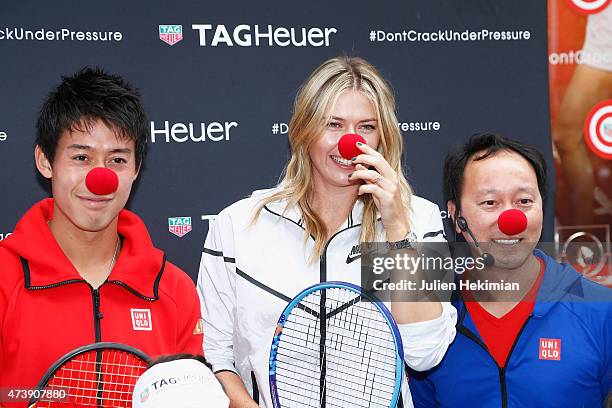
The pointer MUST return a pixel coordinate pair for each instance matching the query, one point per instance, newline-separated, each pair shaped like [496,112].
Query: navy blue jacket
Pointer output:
[568,308]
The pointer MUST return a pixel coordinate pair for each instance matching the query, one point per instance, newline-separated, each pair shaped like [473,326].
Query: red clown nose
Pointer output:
[347,145]
[512,222]
[102,181]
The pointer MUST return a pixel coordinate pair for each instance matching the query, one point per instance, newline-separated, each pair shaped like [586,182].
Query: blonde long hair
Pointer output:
[313,105]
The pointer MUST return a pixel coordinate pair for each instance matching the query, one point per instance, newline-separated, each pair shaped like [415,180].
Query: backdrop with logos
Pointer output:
[580,74]
[218,82]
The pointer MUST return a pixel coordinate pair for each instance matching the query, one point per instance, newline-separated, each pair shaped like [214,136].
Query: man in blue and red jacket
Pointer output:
[79,268]
[549,344]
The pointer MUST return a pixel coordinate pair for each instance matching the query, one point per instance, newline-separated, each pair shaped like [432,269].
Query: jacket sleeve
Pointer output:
[3,306]
[217,290]
[7,264]
[190,323]
[425,343]
[433,228]
[423,392]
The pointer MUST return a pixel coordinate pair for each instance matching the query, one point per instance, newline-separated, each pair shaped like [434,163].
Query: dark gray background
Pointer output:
[499,86]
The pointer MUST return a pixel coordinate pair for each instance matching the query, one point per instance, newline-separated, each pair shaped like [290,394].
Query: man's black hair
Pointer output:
[484,145]
[182,356]
[86,97]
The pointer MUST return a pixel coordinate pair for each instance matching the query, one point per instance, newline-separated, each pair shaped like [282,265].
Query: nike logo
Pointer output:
[354,254]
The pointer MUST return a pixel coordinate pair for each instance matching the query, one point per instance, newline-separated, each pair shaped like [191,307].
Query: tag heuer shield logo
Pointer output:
[179,226]
[171,34]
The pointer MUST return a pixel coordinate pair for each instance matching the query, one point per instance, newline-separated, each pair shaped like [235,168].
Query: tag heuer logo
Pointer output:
[171,34]
[179,226]
[144,395]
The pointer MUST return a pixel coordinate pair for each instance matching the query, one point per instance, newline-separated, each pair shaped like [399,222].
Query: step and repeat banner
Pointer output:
[218,81]
[580,73]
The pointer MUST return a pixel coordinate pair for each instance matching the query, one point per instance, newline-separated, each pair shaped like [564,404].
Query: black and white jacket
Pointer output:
[248,274]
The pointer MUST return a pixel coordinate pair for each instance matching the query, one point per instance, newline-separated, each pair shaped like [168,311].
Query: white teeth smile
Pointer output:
[506,241]
[342,161]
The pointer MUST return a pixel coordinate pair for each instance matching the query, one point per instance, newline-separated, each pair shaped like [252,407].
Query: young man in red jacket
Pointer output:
[78,268]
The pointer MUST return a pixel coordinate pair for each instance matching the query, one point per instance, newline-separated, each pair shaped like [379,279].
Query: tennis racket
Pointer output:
[97,375]
[336,346]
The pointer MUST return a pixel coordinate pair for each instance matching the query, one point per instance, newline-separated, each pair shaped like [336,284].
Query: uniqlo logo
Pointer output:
[550,349]
[141,319]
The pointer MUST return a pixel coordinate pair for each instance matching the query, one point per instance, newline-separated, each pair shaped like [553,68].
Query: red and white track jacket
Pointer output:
[47,309]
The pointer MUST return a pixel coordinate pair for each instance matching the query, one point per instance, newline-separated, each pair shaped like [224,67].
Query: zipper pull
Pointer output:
[99,314]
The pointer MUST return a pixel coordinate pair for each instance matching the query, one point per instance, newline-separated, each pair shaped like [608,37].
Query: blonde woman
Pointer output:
[263,250]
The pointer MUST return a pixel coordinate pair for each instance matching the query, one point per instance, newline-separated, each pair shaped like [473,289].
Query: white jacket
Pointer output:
[248,273]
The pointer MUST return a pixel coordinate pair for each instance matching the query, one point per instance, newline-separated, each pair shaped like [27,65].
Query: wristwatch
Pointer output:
[408,242]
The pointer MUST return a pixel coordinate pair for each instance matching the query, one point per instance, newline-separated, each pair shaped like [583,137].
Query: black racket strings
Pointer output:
[359,354]
[353,323]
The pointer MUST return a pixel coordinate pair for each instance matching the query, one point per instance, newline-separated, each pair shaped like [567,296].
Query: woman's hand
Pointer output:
[383,183]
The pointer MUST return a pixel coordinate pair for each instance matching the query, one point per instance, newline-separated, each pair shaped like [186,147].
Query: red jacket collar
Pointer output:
[138,267]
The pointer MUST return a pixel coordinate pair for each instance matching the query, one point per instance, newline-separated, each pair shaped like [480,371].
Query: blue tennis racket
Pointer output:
[336,346]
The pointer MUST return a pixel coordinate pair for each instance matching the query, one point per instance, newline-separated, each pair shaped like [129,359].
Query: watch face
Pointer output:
[412,238]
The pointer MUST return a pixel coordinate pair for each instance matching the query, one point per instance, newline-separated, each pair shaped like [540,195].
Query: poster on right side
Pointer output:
[580,75]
